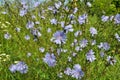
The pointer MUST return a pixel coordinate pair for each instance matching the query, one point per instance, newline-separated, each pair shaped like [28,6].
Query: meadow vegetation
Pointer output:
[53,40]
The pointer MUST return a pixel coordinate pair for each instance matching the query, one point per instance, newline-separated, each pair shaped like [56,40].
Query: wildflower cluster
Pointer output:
[20,66]
[52,37]
[76,72]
